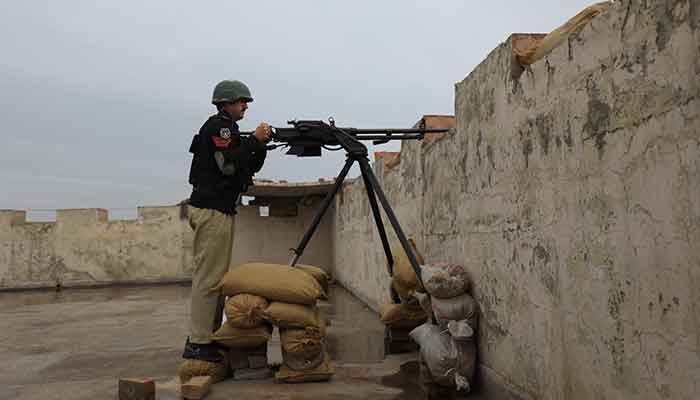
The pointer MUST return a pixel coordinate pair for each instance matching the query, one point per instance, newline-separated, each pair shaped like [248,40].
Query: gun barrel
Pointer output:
[374,134]
[393,131]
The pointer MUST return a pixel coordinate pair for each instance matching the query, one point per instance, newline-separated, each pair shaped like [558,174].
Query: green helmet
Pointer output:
[230,91]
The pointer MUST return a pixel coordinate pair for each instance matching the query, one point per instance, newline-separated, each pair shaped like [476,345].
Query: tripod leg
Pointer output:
[324,207]
[382,233]
[367,171]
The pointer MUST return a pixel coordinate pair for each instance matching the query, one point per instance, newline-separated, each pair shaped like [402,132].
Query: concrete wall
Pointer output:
[572,194]
[269,239]
[84,248]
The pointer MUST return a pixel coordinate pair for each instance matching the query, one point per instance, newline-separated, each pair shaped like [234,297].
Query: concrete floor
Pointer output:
[75,344]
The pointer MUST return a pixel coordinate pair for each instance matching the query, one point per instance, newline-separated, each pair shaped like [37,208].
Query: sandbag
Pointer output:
[231,336]
[405,294]
[460,331]
[319,274]
[401,315]
[558,36]
[286,315]
[301,341]
[425,304]
[445,280]
[466,360]
[439,352]
[245,310]
[302,349]
[455,309]
[274,282]
[321,373]
[403,271]
[191,368]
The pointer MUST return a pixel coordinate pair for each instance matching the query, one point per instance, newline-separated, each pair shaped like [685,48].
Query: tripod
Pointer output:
[357,152]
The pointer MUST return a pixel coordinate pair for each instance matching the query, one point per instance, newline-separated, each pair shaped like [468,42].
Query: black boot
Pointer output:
[205,352]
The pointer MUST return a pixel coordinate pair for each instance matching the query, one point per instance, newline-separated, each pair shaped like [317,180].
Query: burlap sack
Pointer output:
[286,315]
[192,368]
[321,373]
[403,271]
[439,352]
[274,282]
[302,349]
[405,294]
[558,36]
[402,315]
[458,308]
[445,280]
[320,275]
[231,336]
[245,310]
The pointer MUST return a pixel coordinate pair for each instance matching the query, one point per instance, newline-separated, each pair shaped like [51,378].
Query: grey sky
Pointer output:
[99,100]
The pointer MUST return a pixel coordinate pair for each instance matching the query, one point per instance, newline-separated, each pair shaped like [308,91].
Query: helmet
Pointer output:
[230,91]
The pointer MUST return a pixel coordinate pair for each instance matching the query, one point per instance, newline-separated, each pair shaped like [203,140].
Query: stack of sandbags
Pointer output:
[292,293]
[448,350]
[303,338]
[408,314]
[448,286]
[246,334]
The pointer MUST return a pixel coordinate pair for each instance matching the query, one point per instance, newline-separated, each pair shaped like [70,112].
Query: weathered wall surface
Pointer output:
[268,239]
[573,196]
[84,248]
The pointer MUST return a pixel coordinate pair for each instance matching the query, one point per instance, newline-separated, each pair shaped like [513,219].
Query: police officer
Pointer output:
[222,166]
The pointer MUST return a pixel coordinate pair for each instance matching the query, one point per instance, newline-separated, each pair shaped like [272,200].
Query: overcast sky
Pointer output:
[99,100]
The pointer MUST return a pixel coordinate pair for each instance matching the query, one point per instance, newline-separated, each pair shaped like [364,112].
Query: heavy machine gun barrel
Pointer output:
[306,138]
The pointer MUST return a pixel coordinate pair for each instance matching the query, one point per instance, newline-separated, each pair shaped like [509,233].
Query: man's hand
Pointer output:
[262,132]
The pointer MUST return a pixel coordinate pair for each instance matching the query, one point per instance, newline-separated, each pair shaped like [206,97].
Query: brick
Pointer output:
[137,389]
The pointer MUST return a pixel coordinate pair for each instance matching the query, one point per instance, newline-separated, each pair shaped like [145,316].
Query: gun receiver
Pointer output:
[306,138]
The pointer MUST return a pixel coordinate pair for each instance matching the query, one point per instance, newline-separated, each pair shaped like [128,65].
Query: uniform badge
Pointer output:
[225,133]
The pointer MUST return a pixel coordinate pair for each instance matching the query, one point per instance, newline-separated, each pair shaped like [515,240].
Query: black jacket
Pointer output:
[218,183]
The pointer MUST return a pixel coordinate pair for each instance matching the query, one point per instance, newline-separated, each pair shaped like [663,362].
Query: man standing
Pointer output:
[222,168]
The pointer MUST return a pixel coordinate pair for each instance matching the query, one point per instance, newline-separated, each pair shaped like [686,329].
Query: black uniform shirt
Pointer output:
[223,164]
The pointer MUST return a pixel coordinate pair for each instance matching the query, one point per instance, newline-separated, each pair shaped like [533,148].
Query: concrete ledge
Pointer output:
[94,285]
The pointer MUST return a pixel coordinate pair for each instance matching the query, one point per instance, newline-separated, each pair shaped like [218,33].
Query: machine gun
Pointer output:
[307,138]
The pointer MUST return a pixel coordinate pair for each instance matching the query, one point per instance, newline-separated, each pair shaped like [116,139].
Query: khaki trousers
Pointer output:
[211,251]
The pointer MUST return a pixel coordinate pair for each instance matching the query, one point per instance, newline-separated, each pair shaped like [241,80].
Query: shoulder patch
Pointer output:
[221,142]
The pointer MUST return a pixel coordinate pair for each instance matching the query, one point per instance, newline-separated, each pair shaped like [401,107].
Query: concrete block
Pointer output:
[257,361]
[137,389]
[238,359]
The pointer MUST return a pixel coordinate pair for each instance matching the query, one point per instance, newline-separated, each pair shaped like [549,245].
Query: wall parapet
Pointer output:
[84,248]
[571,192]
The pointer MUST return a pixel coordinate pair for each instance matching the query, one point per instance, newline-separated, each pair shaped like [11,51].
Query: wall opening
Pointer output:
[41,216]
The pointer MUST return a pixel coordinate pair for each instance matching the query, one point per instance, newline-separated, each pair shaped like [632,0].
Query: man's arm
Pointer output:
[231,152]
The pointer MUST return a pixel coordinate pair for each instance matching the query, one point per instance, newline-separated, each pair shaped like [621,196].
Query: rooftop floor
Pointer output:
[76,344]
